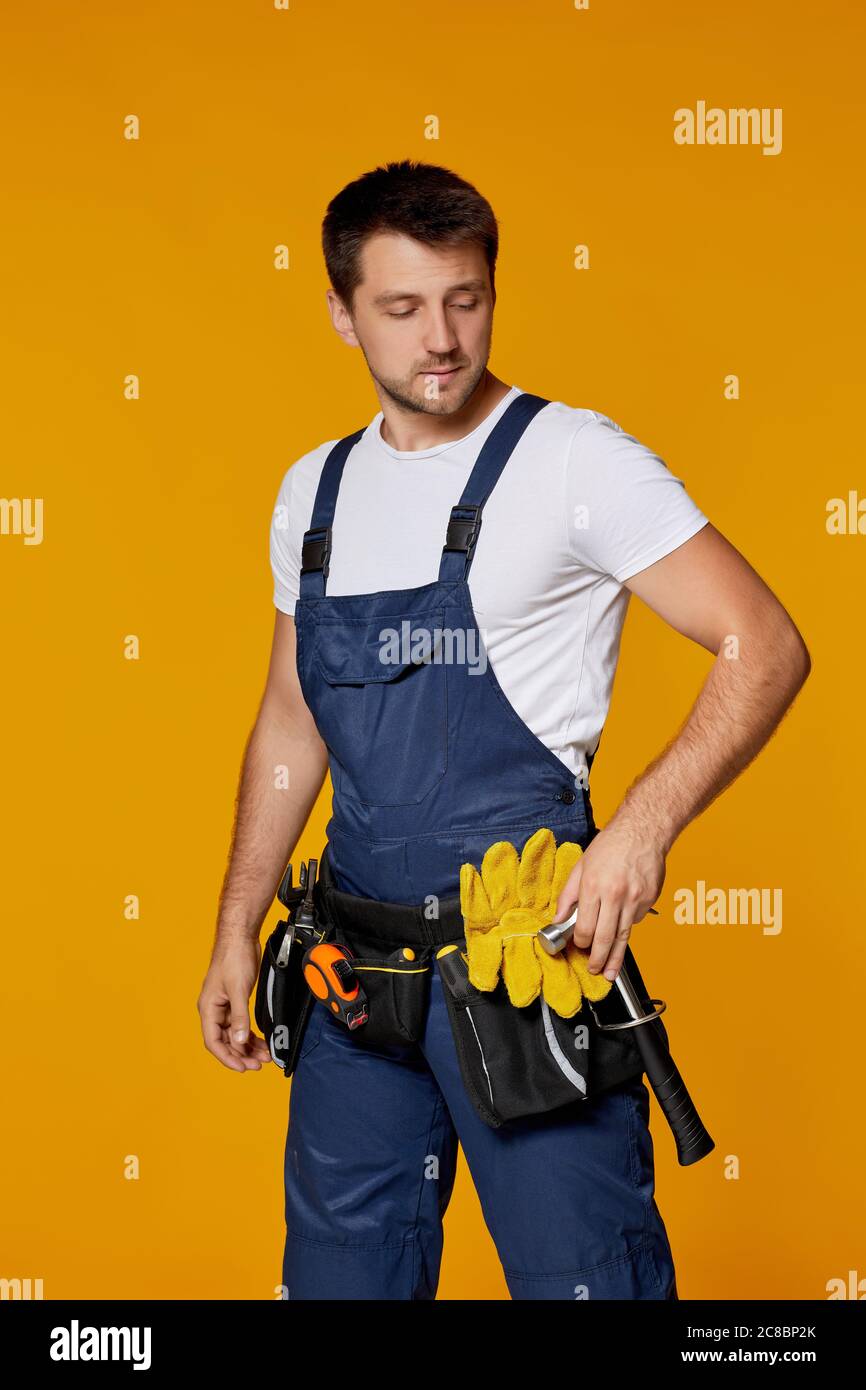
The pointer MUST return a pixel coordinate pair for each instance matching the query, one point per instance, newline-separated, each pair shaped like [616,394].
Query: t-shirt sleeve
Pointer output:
[625,508]
[285,556]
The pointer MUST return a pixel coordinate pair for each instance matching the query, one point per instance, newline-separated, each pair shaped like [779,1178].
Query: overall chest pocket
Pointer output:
[381,706]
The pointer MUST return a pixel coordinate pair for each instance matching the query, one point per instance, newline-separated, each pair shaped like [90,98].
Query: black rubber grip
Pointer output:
[692,1140]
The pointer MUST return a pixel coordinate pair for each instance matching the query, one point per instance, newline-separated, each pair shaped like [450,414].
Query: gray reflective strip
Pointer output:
[270,993]
[481,1050]
[559,1056]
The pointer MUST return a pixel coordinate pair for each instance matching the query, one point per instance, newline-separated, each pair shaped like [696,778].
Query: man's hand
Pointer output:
[613,885]
[224,1005]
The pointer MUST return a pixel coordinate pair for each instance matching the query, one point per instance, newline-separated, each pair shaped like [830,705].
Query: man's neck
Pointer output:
[409,432]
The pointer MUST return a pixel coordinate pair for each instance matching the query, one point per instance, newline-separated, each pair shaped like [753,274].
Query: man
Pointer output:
[432,763]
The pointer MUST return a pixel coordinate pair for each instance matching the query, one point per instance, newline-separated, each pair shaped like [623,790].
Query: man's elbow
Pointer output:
[795,655]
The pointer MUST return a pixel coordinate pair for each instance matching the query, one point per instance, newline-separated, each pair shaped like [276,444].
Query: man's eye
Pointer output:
[407,312]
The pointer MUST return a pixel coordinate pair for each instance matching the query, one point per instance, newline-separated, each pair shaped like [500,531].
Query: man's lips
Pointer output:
[440,371]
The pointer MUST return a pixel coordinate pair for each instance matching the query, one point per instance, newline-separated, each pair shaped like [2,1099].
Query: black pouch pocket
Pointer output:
[521,1062]
[397,993]
[396,981]
[283,999]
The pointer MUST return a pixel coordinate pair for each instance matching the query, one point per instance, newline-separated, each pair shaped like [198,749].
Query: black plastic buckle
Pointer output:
[463,531]
[316,551]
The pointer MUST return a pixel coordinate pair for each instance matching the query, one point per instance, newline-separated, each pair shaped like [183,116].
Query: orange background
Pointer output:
[155,257]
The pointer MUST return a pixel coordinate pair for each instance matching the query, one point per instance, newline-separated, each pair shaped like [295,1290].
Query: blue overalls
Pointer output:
[430,765]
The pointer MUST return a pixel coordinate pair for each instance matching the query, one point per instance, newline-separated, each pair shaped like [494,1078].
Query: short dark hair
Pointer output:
[424,201]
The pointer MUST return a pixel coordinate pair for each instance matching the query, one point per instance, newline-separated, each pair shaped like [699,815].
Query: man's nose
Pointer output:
[440,339]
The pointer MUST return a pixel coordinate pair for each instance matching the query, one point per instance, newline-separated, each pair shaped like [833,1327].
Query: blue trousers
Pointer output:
[370,1159]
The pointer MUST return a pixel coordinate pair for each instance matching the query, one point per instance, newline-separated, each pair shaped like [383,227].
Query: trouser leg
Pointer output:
[568,1197]
[369,1169]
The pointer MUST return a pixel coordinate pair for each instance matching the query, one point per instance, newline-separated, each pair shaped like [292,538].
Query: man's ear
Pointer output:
[340,318]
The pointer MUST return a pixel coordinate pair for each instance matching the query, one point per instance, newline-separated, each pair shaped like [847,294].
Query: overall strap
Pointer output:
[316,548]
[465,521]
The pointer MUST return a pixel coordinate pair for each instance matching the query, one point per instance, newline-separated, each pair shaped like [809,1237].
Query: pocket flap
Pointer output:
[363,653]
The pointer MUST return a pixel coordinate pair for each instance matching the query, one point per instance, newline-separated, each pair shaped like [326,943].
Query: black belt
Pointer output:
[402,923]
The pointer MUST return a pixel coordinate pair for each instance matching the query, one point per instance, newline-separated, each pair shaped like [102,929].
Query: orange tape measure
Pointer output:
[329,973]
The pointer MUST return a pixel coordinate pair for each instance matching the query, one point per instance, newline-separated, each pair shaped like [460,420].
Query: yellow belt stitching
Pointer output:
[392,969]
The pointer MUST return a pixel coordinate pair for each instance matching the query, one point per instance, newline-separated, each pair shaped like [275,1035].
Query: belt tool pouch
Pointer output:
[396,981]
[283,998]
[521,1062]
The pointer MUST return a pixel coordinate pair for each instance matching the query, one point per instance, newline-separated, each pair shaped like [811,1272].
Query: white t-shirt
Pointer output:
[580,507]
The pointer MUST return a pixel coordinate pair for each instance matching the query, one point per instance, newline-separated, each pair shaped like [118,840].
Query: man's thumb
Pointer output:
[240,1025]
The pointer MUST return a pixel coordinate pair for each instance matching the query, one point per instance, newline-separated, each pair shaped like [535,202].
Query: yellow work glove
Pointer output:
[504,907]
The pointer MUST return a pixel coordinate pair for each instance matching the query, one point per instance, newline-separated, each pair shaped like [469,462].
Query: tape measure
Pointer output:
[328,971]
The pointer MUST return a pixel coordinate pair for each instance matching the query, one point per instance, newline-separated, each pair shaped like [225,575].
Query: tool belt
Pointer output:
[514,1062]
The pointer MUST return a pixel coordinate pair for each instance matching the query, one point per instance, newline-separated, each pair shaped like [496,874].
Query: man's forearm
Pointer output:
[283,771]
[740,704]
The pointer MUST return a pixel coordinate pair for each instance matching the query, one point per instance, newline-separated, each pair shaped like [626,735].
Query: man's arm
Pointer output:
[706,590]
[269,819]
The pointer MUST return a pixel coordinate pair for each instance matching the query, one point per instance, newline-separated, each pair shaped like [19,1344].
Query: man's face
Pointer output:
[423,318]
